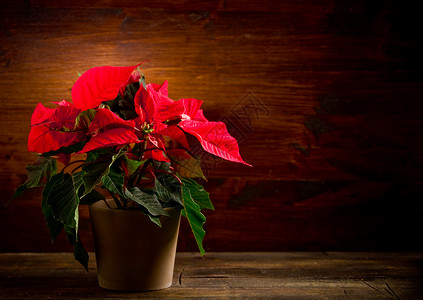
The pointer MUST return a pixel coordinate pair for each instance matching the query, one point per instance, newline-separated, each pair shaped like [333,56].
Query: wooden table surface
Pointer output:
[269,275]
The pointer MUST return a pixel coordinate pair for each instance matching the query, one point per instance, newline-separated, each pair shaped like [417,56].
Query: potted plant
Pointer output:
[120,146]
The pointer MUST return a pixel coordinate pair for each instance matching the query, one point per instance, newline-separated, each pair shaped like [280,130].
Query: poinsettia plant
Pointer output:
[127,140]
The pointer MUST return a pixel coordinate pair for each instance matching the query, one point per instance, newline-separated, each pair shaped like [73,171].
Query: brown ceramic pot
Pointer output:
[133,253]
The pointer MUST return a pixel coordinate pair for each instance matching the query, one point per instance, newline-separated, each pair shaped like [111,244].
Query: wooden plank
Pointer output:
[287,275]
[205,5]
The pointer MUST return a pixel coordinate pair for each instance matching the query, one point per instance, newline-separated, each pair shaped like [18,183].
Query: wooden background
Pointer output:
[325,98]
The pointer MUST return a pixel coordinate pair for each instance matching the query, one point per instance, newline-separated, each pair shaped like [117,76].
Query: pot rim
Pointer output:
[100,205]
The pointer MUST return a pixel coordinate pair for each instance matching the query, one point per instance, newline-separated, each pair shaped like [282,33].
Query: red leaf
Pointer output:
[140,96]
[182,109]
[156,140]
[160,88]
[155,154]
[100,84]
[214,138]
[177,135]
[155,148]
[42,139]
[153,105]
[159,127]
[170,111]
[64,116]
[135,76]
[41,114]
[110,138]
[63,103]
[147,101]
[46,128]
[106,118]
[192,109]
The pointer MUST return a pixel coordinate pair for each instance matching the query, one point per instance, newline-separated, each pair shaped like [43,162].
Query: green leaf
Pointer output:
[67,150]
[78,181]
[132,165]
[60,208]
[124,106]
[155,220]
[54,226]
[95,171]
[113,181]
[95,154]
[18,192]
[168,190]
[196,219]
[63,198]
[84,119]
[79,251]
[113,105]
[142,79]
[161,165]
[198,193]
[131,90]
[90,198]
[39,173]
[146,200]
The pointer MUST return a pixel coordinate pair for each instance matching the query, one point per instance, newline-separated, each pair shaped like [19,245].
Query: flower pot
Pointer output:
[133,253]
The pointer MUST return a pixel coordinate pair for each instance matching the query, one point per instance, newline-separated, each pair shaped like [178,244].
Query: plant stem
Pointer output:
[119,205]
[74,169]
[138,173]
[170,173]
[107,203]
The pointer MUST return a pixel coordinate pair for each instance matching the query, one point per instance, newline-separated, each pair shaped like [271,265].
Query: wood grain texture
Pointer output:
[323,97]
[287,275]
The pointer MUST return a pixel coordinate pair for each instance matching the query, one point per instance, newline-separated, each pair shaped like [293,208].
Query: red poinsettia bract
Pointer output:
[158,118]
[101,84]
[52,128]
